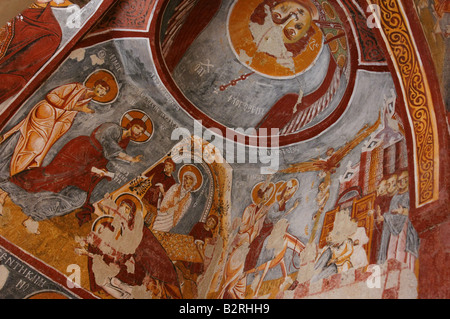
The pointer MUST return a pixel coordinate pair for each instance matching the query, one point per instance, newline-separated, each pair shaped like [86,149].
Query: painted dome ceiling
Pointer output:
[237,52]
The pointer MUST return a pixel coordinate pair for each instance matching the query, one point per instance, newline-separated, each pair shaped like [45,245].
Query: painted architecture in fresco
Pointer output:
[226,149]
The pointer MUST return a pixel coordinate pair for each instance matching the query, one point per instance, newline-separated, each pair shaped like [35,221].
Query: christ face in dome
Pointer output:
[295,18]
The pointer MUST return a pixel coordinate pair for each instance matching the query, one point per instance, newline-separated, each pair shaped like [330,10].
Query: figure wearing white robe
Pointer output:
[173,207]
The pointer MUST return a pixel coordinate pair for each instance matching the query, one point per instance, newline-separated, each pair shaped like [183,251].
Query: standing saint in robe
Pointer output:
[234,277]
[280,209]
[161,179]
[381,206]
[399,239]
[201,232]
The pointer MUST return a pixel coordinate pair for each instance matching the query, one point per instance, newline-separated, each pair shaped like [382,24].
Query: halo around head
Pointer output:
[129,197]
[140,115]
[259,189]
[102,220]
[109,78]
[292,183]
[192,169]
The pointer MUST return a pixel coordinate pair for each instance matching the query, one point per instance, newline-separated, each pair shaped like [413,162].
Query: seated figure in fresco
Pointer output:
[341,255]
[177,200]
[124,257]
[67,182]
[399,239]
[27,42]
[335,258]
[344,248]
[161,179]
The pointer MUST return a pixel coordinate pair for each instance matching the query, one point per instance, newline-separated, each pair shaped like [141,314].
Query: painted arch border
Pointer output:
[412,72]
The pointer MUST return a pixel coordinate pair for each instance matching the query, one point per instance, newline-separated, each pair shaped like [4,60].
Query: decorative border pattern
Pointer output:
[397,35]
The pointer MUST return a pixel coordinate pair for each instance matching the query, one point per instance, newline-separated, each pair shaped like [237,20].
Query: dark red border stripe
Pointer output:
[46,270]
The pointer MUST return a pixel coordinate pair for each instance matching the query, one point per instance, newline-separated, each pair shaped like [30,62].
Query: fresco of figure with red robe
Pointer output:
[68,180]
[201,232]
[27,42]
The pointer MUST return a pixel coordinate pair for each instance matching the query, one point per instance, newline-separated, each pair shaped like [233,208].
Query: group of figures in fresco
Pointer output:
[126,259]
[124,249]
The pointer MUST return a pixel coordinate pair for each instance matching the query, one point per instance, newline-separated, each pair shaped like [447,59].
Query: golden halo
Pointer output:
[109,78]
[246,51]
[64,4]
[131,197]
[102,220]
[138,114]
[283,186]
[191,168]
[272,189]
[278,185]
[47,295]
